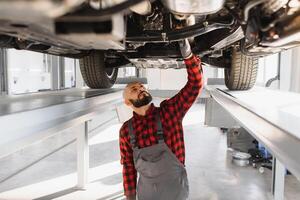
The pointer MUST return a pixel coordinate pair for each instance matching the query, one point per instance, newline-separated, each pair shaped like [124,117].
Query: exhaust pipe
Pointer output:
[143,8]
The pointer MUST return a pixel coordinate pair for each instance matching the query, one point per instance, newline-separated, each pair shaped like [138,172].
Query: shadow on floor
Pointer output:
[114,196]
[110,180]
[58,194]
[63,159]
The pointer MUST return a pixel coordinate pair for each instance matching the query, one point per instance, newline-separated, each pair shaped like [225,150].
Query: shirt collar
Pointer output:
[148,112]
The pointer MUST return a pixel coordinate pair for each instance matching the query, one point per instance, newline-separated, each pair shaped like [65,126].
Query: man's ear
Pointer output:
[127,102]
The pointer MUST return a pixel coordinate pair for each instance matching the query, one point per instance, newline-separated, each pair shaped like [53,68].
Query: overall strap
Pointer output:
[131,135]
[160,132]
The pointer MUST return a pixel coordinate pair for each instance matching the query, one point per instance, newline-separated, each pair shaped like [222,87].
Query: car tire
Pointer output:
[94,72]
[242,73]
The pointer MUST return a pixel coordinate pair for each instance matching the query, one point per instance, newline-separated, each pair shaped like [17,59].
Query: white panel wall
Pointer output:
[166,79]
[175,79]
[126,72]
[70,65]
[289,70]
[79,82]
[154,79]
[295,70]
[27,72]
[31,72]
[268,69]
[285,70]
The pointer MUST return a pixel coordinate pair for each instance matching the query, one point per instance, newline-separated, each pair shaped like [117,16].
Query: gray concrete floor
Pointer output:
[47,170]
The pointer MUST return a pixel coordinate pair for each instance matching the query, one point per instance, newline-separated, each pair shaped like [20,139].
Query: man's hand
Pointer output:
[185,48]
[131,197]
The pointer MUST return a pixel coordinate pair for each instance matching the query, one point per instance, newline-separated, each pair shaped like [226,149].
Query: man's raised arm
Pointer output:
[183,100]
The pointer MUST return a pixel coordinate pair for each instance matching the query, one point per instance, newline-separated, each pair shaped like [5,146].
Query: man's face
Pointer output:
[137,95]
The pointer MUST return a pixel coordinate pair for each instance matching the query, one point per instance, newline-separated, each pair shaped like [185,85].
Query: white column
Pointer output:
[79,82]
[295,78]
[83,156]
[3,72]
[62,75]
[285,70]
[55,80]
[290,70]
[278,179]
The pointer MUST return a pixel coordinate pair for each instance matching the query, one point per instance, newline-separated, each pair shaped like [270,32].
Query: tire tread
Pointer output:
[93,72]
[243,72]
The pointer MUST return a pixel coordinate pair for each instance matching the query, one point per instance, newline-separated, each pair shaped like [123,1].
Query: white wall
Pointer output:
[153,78]
[175,79]
[166,79]
[31,72]
[70,65]
[27,72]
[79,82]
[267,69]
[126,72]
[295,70]
[289,70]
[285,70]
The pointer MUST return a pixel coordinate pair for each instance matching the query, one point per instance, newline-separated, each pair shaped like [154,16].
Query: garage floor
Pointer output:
[211,173]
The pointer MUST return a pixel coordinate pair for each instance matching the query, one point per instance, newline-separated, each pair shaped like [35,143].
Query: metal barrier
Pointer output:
[25,119]
[272,117]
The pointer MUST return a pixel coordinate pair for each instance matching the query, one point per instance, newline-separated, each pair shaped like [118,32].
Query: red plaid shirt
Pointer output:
[172,112]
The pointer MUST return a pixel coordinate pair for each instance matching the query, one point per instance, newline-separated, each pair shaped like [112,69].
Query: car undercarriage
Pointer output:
[229,34]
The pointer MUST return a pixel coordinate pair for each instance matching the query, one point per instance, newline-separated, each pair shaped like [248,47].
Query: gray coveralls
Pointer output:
[161,175]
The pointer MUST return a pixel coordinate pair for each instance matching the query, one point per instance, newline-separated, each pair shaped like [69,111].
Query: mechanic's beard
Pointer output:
[141,102]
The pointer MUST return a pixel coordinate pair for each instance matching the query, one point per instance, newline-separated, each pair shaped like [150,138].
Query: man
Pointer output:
[152,142]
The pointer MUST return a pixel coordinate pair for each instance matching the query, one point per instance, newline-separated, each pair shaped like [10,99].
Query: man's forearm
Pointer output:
[185,49]
[195,77]
[184,99]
